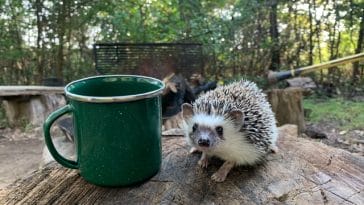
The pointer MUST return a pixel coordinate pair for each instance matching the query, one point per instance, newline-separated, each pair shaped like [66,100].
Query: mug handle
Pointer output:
[48,140]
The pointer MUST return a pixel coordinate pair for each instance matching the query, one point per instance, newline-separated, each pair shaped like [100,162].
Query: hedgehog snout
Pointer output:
[204,142]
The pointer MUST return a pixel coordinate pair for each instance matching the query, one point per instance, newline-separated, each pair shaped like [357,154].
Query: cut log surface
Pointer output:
[302,172]
[6,91]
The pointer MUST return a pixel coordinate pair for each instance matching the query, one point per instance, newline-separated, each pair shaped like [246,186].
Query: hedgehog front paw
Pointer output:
[193,150]
[204,161]
[219,176]
[223,171]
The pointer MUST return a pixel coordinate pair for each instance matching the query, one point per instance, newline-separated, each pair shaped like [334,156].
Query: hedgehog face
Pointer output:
[207,132]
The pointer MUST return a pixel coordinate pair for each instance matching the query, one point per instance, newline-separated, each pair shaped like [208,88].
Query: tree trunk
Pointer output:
[334,43]
[275,50]
[332,32]
[310,52]
[40,44]
[142,23]
[18,63]
[61,25]
[318,31]
[187,10]
[359,48]
[297,39]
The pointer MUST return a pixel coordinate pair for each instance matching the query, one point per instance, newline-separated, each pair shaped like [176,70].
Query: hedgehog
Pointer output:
[234,122]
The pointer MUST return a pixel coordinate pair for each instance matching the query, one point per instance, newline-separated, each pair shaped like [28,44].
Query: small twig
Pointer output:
[162,181]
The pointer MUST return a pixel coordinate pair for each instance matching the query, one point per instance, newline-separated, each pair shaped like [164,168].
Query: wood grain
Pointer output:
[302,172]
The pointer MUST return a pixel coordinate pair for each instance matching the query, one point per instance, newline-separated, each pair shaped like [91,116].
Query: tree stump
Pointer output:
[302,172]
[287,106]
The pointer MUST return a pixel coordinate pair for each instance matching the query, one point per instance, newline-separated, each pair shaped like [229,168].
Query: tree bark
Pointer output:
[311,45]
[61,26]
[275,50]
[40,43]
[334,43]
[318,31]
[297,39]
[332,33]
[359,48]
[287,106]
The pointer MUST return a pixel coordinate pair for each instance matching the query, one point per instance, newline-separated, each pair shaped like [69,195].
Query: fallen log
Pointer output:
[302,172]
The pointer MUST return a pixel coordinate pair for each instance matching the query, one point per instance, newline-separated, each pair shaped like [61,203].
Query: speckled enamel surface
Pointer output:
[118,139]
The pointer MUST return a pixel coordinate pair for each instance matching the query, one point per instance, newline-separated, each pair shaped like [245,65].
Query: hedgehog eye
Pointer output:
[194,128]
[219,130]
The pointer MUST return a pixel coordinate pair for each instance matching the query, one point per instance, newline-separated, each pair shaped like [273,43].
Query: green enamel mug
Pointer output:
[117,126]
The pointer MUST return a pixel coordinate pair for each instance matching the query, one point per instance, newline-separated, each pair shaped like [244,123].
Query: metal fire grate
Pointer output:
[151,59]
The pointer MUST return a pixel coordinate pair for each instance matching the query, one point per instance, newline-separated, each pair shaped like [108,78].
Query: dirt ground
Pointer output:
[22,152]
[351,140]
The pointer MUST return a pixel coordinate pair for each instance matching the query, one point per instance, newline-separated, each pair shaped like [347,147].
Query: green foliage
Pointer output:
[349,114]
[40,39]
[260,81]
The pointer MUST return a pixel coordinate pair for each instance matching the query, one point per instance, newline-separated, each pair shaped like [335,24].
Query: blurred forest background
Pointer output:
[40,39]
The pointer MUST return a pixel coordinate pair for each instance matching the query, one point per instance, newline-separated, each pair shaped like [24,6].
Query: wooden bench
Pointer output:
[302,172]
[30,104]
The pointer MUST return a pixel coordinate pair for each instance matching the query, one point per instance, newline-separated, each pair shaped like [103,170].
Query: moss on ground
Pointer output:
[349,114]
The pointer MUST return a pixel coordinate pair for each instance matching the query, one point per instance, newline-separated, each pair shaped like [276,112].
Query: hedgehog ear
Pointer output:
[187,111]
[237,116]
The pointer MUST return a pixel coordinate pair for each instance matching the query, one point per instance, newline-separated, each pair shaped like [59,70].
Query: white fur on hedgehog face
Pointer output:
[232,146]
[213,128]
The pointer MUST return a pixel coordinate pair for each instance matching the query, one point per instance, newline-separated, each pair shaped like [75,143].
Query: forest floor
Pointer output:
[342,121]
[20,153]
[23,151]
[351,140]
